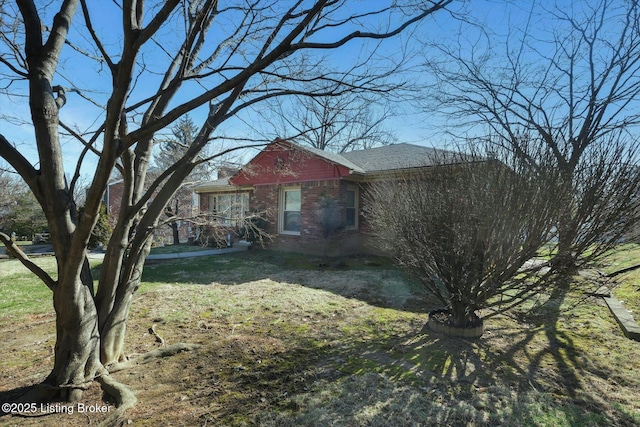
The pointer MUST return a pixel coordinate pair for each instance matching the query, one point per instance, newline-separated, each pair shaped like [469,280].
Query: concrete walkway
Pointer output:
[238,247]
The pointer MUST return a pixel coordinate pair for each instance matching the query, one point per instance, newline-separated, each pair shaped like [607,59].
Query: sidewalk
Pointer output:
[238,247]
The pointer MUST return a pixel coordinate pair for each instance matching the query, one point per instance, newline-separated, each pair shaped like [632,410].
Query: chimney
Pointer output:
[226,172]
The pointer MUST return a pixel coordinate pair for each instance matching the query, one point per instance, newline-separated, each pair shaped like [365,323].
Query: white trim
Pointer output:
[234,209]
[281,199]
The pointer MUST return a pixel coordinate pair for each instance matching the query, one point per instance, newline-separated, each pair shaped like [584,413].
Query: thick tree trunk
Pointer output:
[114,332]
[459,314]
[563,262]
[115,301]
[77,358]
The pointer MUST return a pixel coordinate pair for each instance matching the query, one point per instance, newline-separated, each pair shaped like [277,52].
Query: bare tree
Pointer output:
[467,230]
[228,56]
[20,212]
[570,81]
[12,188]
[354,121]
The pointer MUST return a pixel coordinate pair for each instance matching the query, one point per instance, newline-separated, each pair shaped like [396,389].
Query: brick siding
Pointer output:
[314,194]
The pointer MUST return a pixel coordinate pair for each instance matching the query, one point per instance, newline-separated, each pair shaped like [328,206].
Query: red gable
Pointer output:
[283,162]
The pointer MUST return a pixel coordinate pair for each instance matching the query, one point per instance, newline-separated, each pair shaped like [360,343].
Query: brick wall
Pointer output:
[315,195]
[311,239]
[114,195]
[265,199]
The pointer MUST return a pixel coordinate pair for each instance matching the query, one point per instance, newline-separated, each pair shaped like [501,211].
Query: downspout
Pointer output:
[108,200]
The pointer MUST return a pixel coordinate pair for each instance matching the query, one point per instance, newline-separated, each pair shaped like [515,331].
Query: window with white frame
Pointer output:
[229,209]
[351,207]
[290,210]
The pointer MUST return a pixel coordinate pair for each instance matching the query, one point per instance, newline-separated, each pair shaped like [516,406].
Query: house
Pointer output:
[299,187]
[112,199]
[165,234]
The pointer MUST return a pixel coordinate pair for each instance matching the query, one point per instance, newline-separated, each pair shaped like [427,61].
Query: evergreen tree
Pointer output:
[172,148]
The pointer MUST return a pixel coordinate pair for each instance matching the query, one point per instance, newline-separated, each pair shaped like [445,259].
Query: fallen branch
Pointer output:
[151,355]
[624,270]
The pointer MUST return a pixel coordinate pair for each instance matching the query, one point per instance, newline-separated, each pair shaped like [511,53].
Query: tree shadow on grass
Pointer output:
[543,354]
[537,356]
[423,378]
[560,346]
[475,372]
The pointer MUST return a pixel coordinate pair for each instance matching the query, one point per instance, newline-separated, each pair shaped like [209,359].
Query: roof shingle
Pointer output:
[399,156]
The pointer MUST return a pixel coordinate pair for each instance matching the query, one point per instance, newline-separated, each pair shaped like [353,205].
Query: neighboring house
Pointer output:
[113,200]
[293,184]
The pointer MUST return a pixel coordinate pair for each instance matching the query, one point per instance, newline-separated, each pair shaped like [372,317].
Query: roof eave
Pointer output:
[220,188]
[402,172]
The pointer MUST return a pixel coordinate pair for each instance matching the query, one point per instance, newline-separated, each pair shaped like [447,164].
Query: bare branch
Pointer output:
[375,36]
[16,252]
[471,237]
[578,97]
[20,164]
[94,36]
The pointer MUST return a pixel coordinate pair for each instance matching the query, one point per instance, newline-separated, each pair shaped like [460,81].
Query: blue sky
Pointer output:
[414,123]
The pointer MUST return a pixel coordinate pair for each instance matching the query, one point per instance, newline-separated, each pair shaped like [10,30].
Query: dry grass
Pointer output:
[288,344]
[627,286]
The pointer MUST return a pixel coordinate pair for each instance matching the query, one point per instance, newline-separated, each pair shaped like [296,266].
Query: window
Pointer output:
[352,207]
[290,206]
[229,209]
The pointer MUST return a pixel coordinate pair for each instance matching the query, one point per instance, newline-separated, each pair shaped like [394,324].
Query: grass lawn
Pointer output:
[628,285]
[286,343]
[19,243]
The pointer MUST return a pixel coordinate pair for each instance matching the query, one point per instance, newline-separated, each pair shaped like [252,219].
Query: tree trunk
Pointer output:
[176,233]
[563,262]
[77,358]
[459,314]
[113,333]
[119,291]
